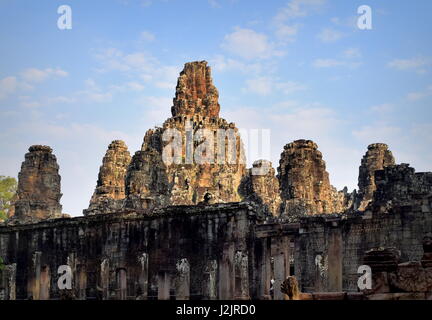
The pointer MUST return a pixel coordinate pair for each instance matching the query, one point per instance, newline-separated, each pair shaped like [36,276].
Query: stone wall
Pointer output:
[201,252]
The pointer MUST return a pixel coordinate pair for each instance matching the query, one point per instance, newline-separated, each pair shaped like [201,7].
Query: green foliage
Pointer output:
[1,264]
[8,187]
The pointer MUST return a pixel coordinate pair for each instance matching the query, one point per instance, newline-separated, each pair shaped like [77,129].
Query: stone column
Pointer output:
[210,281]
[9,280]
[287,254]
[182,284]
[226,273]
[121,284]
[335,260]
[241,276]
[82,282]
[33,285]
[105,269]
[143,276]
[164,285]
[265,269]
[279,274]
[45,283]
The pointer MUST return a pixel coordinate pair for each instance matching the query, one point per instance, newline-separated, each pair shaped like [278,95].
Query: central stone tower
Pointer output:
[206,151]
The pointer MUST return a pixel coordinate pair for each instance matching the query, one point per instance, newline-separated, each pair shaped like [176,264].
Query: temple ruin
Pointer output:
[178,229]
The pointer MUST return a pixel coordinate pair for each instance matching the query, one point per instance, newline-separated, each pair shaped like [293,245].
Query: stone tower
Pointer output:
[38,193]
[110,189]
[262,188]
[377,157]
[304,181]
[195,152]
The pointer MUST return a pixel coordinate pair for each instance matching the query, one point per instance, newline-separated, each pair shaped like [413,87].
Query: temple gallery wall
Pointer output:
[218,231]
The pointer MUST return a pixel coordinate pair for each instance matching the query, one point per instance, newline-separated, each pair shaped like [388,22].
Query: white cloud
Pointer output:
[414,96]
[329,35]
[128,86]
[298,8]
[290,87]
[417,64]
[34,75]
[384,108]
[8,86]
[222,64]
[266,85]
[249,44]
[327,63]
[285,27]
[141,65]
[287,33]
[352,53]
[214,4]
[330,63]
[147,36]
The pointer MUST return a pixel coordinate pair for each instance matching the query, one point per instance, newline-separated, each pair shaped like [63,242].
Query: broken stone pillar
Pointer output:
[9,282]
[334,256]
[241,276]
[377,157]
[210,284]
[110,189]
[182,284]
[304,181]
[261,186]
[38,190]
[164,285]
[143,276]
[45,283]
[226,273]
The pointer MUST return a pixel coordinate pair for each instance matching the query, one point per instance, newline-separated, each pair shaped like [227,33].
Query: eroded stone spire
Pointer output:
[377,157]
[110,188]
[151,182]
[195,92]
[38,194]
[261,186]
[304,181]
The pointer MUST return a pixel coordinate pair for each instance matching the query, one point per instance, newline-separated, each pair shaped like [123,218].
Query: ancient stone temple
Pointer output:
[304,181]
[210,158]
[376,158]
[110,188]
[260,185]
[38,194]
[183,218]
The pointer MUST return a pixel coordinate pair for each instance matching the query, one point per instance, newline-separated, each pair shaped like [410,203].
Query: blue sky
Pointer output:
[300,68]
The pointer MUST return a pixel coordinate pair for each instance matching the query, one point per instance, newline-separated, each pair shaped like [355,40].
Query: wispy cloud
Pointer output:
[419,95]
[147,36]
[8,86]
[266,85]
[286,29]
[417,64]
[329,35]
[34,75]
[249,44]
